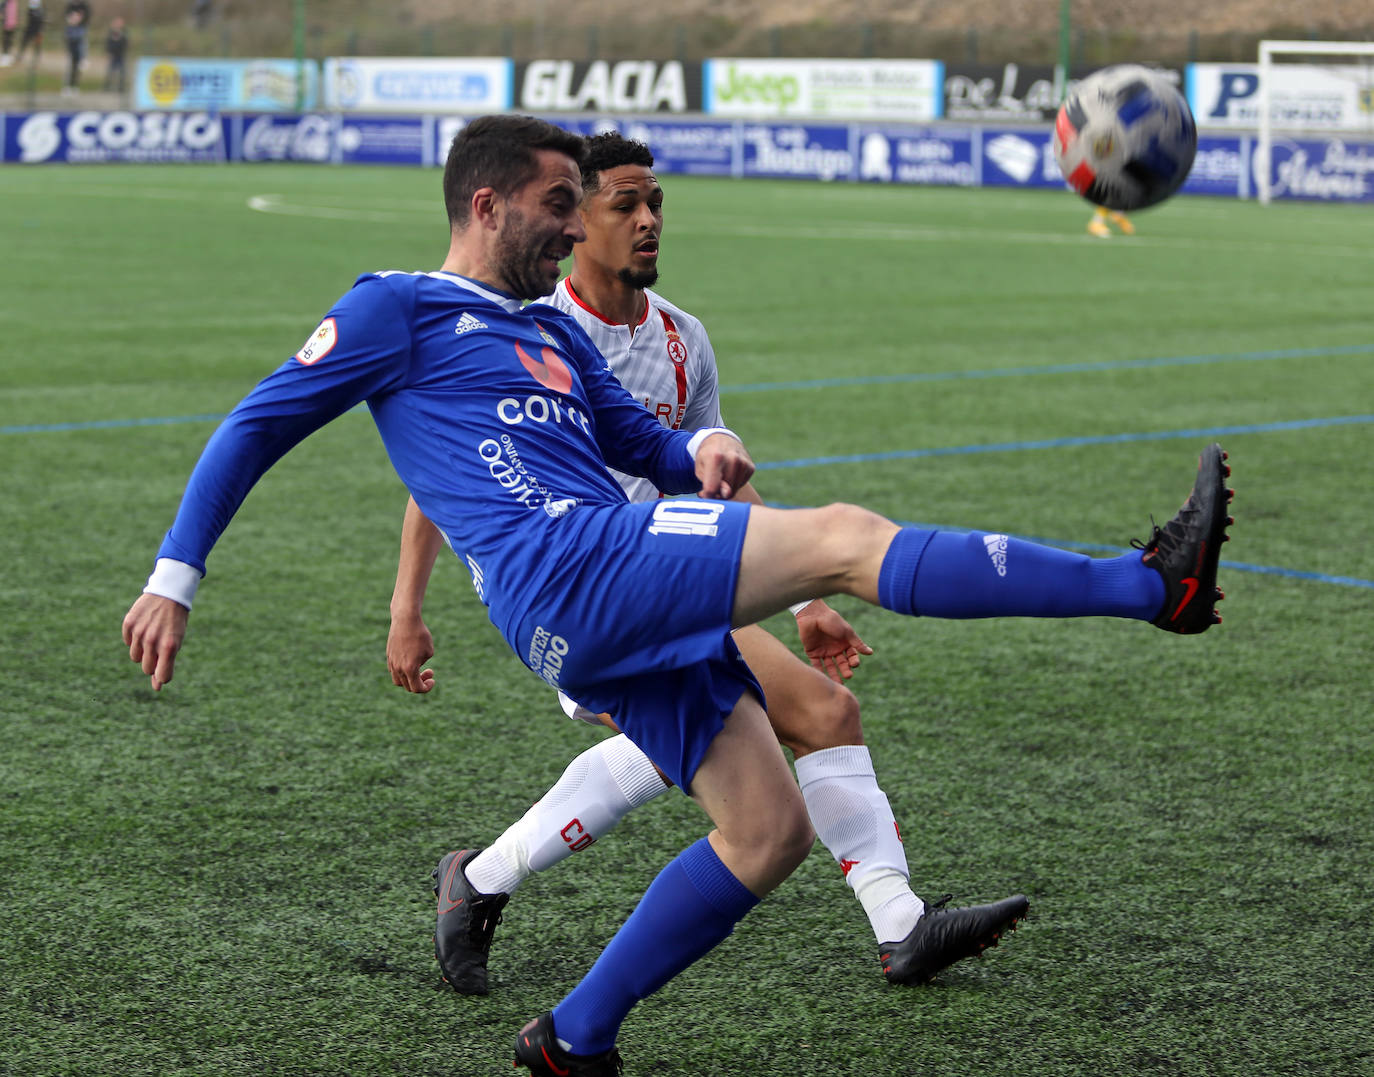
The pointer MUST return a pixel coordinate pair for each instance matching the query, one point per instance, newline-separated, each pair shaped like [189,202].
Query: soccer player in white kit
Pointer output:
[663,356]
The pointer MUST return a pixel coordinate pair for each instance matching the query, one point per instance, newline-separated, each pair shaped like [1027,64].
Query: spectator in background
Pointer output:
[116,47]
[33,30]
[200,13]
[78,18]
[9,24]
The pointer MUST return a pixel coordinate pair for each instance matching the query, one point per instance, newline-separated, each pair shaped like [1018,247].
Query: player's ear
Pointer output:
[484,203]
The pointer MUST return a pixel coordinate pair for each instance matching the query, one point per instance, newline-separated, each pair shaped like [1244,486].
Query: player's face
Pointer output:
[624,219]
[539,227]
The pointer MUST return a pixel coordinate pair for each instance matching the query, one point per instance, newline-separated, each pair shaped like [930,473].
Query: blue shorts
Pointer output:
[634,619]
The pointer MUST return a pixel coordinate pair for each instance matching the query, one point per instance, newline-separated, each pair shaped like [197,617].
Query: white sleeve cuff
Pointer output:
[701,435]
[800,606]
[175,580]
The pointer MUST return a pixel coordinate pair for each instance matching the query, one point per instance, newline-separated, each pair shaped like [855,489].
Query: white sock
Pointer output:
[597,790]
[855,822]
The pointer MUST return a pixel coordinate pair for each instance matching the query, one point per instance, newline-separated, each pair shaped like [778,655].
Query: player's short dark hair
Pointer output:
[499,152]
[611,150]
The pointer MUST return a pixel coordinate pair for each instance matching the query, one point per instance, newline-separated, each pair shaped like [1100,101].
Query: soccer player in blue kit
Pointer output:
[501,420]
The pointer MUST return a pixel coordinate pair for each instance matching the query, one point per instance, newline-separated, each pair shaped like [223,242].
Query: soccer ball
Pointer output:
[1125,137]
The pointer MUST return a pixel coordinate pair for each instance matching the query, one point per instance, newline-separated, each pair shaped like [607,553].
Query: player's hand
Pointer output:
[830,641]
[408,647]
[154,628]
[723,466]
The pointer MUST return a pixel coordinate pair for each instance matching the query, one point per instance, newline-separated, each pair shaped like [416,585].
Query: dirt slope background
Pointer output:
[969,30]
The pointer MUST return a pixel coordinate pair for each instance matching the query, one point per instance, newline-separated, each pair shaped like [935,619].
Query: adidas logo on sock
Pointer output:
[996,545]
[468,321]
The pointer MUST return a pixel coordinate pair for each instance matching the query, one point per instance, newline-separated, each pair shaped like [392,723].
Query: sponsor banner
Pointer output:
[1330,170]
[270,137]
[398,140]
[471,84]
[103,137]
[1306,97]
[223,85]
[1021,157]
[897,90]
[603,86]
[1011,93]
[795,150]
[700,148]
[445,128]
[942,156]
[1219,167]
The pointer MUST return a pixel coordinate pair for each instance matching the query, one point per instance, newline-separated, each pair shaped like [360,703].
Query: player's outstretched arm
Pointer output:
[409,644]
[723,466]
[830,641]
[154,629]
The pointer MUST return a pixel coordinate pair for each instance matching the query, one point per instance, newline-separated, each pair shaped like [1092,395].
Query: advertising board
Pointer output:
[1303,97]
[223,85]
[470,84]
[896,90]
[105,137]
[603,86]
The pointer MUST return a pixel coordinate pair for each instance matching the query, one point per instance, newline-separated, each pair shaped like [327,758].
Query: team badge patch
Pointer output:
[321,342]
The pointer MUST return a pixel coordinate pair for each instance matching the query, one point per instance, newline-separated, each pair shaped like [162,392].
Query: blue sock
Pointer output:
[692,905]
[955,575]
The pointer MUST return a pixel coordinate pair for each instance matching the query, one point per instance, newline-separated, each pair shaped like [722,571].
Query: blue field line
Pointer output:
[830,383]
[109,424]
[1053,368]
[1065,443]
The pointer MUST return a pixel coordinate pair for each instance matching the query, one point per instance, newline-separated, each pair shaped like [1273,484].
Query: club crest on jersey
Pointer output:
[321,342]
[548,370]
[677,351]
[545,334]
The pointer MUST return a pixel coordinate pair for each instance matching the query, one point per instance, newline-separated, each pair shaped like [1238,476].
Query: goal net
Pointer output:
[1321,88]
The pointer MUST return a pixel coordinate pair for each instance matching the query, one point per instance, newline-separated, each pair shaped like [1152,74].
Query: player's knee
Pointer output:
[849,532]
[842,724]
[829,718]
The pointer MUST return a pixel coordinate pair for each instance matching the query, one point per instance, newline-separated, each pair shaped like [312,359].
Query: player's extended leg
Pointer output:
[791,555]
[762,834]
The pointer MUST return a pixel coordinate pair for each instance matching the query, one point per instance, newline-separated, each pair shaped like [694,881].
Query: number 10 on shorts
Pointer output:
[685,518]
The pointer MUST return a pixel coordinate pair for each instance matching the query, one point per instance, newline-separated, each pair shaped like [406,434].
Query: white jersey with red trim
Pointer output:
[665,362]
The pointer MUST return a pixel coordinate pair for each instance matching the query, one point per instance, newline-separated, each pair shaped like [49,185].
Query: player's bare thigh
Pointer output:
[794,554]
[807,710]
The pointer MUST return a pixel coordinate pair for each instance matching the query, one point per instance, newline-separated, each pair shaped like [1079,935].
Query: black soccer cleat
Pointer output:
[467,920]
[1186,550]
[537,1047]
[943,936]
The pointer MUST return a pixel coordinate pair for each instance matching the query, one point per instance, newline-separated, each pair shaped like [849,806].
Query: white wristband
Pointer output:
[701,435]
[800,606]
[175,580]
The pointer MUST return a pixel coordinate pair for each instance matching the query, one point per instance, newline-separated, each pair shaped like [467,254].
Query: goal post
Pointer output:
[1362,73]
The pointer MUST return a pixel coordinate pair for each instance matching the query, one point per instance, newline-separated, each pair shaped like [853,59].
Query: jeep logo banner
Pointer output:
[907,90]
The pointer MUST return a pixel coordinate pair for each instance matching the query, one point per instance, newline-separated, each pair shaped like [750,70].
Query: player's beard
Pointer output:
[645,278]
[519,258]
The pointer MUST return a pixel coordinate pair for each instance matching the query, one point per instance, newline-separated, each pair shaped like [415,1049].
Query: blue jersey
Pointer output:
[499,419]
